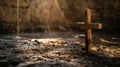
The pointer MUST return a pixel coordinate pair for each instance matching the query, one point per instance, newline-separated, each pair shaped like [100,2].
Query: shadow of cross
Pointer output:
[88,26]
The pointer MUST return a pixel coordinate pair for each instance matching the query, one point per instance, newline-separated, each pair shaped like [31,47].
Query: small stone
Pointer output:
[80,36]
[65,44]
[94,48]
[37,42]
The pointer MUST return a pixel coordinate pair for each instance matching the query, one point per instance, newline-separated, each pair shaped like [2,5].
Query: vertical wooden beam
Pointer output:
[88,31]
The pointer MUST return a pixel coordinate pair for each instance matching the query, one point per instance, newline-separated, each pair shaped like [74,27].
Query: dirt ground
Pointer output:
[63,49]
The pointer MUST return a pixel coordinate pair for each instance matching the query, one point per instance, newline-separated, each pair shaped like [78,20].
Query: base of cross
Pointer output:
[88,26]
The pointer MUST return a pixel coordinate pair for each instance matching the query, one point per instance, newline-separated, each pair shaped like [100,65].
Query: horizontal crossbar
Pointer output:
[89,26]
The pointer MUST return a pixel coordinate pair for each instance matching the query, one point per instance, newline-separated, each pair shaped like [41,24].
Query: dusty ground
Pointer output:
[60,51]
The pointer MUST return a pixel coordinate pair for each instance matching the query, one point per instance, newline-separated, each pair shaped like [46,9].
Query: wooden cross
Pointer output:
[88,26]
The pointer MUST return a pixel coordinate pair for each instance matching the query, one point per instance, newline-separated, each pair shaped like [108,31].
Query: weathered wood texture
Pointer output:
[88,26]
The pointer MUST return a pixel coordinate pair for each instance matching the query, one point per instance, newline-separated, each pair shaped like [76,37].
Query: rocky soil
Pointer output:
[66,51]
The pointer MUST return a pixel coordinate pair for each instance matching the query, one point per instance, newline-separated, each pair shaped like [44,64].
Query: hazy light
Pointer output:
[45,40]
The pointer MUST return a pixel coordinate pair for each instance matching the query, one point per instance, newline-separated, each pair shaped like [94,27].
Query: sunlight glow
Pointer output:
[45,40]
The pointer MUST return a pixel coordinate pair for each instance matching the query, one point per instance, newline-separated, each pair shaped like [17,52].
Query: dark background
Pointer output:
[106,12]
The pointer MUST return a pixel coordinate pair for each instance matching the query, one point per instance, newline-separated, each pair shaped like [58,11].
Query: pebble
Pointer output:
[115,38]
[80,36]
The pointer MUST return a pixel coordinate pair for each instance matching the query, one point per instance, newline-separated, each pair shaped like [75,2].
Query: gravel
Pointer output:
[56,52]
